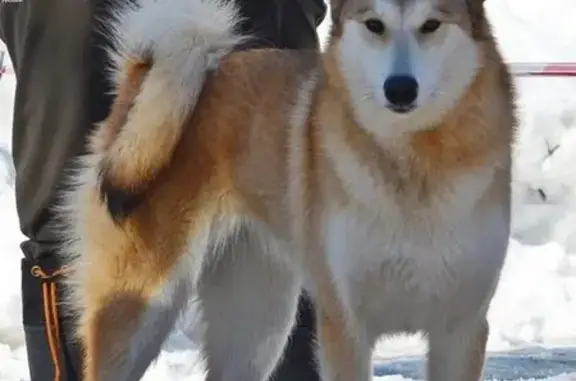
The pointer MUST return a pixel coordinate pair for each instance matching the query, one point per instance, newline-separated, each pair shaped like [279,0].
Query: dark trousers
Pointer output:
[50,125]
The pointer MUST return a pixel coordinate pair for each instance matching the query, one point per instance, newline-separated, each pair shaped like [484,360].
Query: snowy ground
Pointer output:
[533,316]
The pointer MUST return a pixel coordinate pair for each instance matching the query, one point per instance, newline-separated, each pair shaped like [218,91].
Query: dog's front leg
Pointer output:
[458,355]
[343,354]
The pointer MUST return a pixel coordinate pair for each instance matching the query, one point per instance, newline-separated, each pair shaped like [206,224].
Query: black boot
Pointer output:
[298,363]
[52,354]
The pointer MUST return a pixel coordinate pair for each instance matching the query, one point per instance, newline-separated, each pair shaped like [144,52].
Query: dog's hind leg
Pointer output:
[458,355]
[249,299]
[128,303]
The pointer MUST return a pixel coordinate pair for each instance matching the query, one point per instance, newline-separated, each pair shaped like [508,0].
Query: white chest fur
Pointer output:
[409,269]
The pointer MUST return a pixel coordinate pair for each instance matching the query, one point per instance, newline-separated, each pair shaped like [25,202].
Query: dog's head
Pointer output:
[408,60]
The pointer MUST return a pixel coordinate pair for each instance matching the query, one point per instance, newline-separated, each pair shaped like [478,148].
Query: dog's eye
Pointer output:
[375,26]
[430,26]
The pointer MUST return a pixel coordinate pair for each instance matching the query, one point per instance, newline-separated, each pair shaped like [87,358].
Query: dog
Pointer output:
[374,174]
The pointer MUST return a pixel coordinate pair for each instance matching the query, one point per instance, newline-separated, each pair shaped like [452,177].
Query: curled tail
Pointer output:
[162,52]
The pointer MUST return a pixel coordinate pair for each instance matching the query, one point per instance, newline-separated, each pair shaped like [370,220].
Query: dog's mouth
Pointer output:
[401,109]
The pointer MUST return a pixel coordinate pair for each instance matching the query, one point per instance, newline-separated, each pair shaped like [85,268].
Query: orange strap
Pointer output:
[49,295]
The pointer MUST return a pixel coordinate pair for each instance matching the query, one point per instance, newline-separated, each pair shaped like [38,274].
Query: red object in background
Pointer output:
[2,67]
[525,69]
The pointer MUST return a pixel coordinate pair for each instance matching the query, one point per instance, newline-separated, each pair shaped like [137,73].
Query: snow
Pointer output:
[532,317]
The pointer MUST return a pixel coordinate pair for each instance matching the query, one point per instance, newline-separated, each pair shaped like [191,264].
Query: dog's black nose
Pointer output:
[401,90]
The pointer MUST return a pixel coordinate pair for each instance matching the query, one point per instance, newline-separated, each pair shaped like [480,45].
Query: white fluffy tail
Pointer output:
[162,52]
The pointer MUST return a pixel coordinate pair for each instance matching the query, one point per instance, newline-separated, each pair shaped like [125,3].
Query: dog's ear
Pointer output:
[477,18]
[336,8]
[476,7]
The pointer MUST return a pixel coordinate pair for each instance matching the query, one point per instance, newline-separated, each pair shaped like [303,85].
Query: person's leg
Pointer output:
[298,362]
[45,41]
[52,352]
